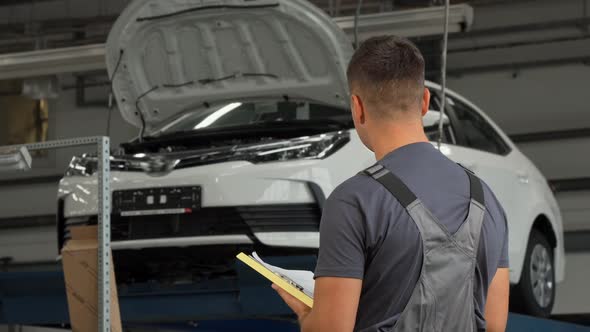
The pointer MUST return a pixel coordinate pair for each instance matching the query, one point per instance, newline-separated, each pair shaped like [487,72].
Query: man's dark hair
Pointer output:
[388,72]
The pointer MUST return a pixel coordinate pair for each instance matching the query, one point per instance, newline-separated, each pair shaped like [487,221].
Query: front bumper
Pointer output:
[226,184]
[276,204]
[273,208]
[243,208]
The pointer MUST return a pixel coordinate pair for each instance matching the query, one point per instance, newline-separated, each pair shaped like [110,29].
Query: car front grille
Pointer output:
[203,263]
[272,218]
[209,221]
[213,221]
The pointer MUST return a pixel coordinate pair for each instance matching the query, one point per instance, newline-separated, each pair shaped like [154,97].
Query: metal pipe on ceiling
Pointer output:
[552,25]
[516,66]
[518,44]
[443,75]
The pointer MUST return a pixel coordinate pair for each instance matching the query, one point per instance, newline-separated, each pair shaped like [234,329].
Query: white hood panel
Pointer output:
[180,54]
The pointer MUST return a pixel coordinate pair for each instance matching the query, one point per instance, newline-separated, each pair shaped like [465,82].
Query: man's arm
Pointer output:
[335,305]
[496,311]
[339,271]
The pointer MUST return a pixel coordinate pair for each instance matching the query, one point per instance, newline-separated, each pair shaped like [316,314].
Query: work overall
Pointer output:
[443,298]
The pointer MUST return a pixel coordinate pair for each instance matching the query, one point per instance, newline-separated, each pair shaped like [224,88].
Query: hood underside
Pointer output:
[169,57]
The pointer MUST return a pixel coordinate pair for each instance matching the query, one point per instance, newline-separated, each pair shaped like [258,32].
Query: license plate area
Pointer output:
[154,201]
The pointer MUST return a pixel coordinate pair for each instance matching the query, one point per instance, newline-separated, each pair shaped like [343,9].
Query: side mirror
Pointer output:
[432,118]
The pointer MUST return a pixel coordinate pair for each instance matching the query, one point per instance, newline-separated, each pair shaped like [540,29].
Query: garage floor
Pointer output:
[571,302]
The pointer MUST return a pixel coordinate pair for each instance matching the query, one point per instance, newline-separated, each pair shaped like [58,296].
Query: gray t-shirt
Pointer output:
[365,233]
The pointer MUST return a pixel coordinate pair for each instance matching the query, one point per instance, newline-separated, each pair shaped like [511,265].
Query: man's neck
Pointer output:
[396,136]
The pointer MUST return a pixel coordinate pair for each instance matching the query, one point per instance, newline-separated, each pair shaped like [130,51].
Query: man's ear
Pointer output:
[358,109]
[425,101]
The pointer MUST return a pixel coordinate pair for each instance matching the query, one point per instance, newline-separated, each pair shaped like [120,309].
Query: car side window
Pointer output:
[434,101]
[432,129]
[477,132]
[432,134]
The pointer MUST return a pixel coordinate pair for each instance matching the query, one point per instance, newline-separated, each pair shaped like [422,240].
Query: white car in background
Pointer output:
[246,130]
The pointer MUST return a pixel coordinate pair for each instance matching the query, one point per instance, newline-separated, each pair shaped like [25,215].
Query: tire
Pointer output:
[535,293]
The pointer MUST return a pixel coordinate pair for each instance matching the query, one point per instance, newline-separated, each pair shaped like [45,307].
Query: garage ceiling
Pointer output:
[530,33]
[41,24]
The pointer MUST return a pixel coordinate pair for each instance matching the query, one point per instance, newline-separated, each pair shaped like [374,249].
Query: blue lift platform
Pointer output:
[39,298]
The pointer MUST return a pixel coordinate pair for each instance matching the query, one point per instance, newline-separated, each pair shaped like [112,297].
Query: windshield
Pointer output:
[242,114]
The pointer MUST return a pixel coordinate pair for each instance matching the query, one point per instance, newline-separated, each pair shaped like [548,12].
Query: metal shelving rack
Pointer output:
[102,145]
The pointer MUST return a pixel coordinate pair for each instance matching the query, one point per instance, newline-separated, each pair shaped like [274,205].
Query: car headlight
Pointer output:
[87,165]
[308,147]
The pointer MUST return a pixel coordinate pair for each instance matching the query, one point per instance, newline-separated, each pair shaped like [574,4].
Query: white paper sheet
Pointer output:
[304,279]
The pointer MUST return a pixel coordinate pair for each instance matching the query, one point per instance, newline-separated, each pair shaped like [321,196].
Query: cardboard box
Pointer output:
[80,265]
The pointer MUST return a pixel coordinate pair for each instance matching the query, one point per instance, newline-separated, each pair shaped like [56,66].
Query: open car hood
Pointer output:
[167,57]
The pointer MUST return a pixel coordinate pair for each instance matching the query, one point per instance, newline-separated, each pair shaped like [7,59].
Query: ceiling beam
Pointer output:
[52,62]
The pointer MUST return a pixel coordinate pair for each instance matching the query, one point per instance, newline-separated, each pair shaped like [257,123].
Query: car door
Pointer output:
[481,149]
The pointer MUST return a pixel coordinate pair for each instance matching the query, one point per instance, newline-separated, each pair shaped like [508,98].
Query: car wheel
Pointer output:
[535,293]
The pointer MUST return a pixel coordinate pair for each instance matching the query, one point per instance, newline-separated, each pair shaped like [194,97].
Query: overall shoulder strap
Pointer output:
[469,233]
[433,233]
[392,183]
[476,188]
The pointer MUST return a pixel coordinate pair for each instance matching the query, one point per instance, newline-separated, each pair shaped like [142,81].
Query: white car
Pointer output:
[246,129]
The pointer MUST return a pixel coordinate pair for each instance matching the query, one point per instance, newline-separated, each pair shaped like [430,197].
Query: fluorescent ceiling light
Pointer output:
[15,159]
[217,114]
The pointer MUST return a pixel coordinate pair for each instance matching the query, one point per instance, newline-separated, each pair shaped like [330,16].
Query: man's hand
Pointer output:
[298,307]
[335,304]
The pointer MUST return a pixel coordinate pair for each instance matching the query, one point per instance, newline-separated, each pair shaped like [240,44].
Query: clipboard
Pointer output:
[276,279]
